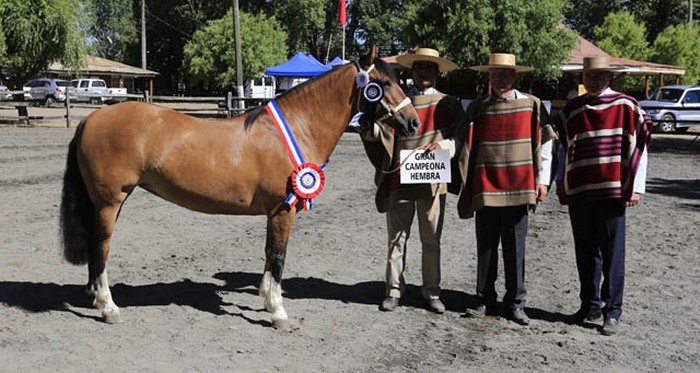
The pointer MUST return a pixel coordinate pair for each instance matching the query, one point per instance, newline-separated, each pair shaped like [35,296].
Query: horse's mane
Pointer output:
[379,64]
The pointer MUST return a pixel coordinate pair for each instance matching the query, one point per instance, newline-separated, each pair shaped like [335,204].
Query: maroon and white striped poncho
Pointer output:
[604,138]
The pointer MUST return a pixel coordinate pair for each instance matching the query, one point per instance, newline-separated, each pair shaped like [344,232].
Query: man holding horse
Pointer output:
[510,151]
[439,116]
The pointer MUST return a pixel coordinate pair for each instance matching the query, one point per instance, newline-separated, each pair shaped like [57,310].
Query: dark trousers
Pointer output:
[509,226]
[599,239]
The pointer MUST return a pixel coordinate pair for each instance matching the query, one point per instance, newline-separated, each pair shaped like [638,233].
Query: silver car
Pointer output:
[46,90]
[674,108]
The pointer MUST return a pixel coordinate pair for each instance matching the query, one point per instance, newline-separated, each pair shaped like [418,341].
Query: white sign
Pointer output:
[419,167]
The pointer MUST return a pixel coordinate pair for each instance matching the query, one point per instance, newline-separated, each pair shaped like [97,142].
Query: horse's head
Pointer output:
[381,97]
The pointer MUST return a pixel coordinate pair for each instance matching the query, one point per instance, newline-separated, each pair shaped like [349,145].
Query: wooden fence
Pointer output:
[221,107]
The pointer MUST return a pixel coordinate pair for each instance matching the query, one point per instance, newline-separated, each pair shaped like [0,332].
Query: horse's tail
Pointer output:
[77,211]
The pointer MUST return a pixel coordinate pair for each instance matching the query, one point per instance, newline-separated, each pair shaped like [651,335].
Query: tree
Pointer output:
[584,15]
[378,23]
[209,58]
[112,27]
[170,24]
[468,31]
[680,46]
[620,36]
[657,15]
[304,22]
[39,32]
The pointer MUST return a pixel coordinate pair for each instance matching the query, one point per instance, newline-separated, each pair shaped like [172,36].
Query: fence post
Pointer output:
[68,107]
[229,106]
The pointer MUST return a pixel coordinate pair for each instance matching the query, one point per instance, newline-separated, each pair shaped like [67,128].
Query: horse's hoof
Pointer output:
[112,317]
[282,325]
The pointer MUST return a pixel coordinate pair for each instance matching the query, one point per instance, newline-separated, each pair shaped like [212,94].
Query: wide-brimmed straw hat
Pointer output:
[502,61]
[597,63]
[427,55]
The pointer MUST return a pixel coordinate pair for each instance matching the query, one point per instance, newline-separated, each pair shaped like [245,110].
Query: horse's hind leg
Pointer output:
[279,227]
[98,285]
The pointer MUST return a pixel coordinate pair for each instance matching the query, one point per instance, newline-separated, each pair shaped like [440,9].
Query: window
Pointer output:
[691,97]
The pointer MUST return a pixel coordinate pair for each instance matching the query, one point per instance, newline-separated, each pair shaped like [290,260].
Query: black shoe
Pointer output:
[519,316]
[478,311]
[435,305]
[610,326]
[389,304]
[583,316]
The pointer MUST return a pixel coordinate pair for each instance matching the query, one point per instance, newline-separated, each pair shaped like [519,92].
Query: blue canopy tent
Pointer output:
[299,65]
[336,61]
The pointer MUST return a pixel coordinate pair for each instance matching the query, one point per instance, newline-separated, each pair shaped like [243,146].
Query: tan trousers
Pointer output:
[399,218]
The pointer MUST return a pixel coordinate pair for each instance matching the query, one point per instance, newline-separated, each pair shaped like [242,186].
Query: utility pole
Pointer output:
[239,63]
[690,11]
[143,34]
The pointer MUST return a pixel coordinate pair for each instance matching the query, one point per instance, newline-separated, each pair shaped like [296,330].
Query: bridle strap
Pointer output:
[390,112]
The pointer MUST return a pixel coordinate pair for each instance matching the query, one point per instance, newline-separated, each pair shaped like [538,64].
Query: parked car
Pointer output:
[674,108]
[46,90]
[94,91]
[5,94]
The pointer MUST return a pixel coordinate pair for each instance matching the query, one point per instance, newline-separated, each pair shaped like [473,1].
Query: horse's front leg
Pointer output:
[279,227]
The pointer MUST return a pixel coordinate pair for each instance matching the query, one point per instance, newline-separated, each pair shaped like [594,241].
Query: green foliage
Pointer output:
[680,46]
[585,15]
[209,58]
[304,23]
[376,23]
[468,31]
[621,36]
[39,32]
[113,26]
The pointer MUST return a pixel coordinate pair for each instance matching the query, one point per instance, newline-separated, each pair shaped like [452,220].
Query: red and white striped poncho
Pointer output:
[505,152]
[604,138]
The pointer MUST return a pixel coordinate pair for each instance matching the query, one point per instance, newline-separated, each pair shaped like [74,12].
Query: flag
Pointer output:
[341,12]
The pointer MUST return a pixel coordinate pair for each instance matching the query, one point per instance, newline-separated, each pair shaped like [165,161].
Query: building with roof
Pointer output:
[116,74]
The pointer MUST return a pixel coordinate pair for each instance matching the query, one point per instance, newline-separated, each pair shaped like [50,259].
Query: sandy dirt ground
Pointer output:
[187,282]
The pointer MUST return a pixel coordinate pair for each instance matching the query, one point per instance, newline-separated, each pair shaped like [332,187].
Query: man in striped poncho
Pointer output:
[439,116]
[509,142]
[602,171]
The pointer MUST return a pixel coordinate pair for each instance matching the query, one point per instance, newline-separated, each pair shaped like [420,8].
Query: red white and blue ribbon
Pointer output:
[307,178]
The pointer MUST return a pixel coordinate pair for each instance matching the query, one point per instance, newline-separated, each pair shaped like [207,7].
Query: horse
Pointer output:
[239,166]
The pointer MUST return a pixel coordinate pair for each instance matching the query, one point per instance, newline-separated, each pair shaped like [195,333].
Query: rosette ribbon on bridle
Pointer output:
[307,178]
[373,93]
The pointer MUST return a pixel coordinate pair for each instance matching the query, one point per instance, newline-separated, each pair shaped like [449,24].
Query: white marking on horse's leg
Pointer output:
[104,302]
[264,288]
[273,303]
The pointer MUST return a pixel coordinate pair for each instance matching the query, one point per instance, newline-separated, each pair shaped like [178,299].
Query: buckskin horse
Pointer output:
[244,165]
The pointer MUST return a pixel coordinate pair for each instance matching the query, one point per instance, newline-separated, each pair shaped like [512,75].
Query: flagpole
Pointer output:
[343,43]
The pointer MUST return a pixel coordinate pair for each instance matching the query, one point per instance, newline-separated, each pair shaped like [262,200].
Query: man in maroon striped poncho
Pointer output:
[509,142]
[602,171]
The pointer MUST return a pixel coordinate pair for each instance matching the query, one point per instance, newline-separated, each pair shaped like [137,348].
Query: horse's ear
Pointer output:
[374,53]
[367,60]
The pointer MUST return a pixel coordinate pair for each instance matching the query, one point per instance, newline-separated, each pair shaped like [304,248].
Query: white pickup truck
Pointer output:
[94,91]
